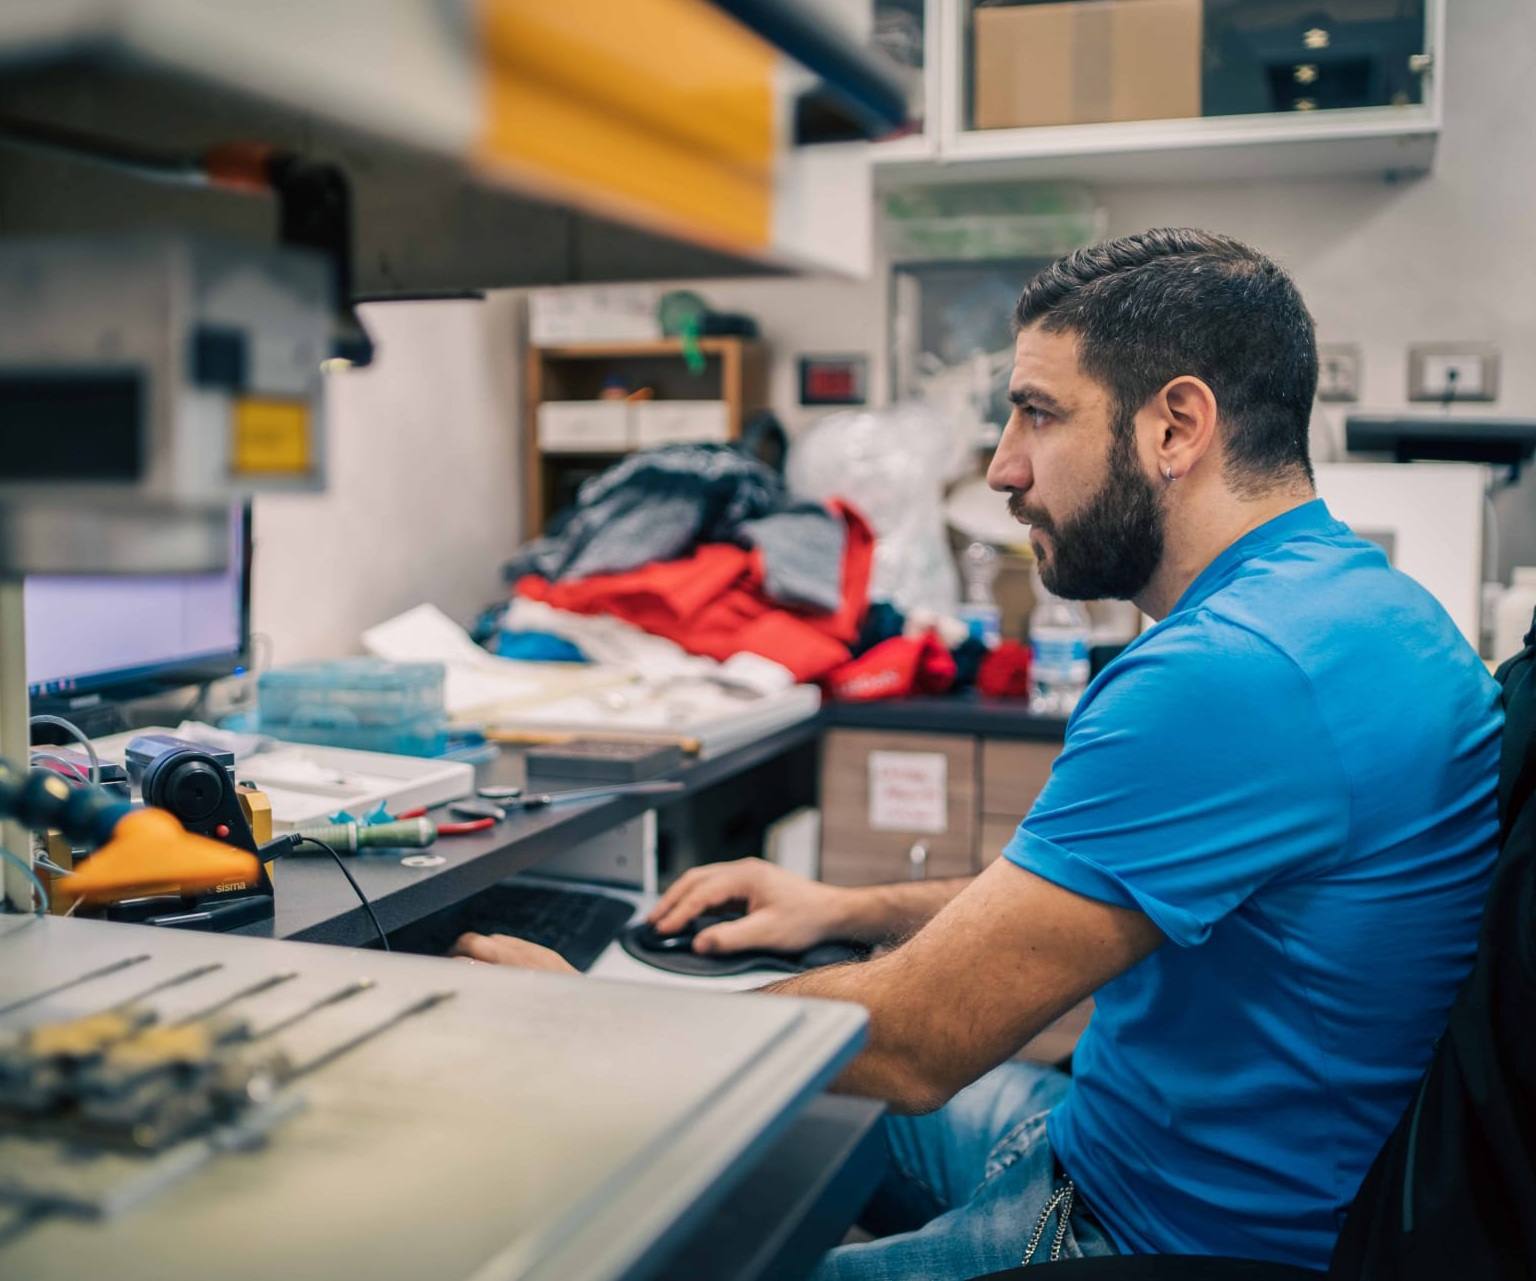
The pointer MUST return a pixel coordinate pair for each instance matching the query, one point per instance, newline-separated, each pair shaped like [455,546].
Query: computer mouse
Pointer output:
[674,952]
[648,938]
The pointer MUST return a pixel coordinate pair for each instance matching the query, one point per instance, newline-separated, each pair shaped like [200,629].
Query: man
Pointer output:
[1264,846]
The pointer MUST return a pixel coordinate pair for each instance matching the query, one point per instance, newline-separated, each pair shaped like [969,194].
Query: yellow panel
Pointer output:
[659,111]
[271,438]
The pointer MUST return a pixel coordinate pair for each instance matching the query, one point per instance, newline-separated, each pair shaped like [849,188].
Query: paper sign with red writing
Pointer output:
[908,791]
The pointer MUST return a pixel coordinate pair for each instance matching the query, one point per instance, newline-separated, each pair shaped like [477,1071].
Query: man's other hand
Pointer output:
[503,949]
[785,912]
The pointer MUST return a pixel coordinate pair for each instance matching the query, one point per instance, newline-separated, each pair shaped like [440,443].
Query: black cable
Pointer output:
[356,888]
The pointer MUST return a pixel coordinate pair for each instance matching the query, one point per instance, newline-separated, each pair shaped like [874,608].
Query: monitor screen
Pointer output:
[124,631]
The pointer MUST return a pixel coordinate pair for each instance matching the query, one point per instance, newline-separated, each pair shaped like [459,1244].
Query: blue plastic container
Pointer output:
[363,703]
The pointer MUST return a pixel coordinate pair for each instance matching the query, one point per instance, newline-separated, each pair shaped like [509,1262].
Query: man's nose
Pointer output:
[1009,468]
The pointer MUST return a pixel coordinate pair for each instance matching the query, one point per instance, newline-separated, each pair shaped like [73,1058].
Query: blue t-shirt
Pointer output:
[1293,775]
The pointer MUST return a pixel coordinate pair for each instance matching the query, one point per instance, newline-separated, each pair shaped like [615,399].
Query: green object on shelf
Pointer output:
[681,313]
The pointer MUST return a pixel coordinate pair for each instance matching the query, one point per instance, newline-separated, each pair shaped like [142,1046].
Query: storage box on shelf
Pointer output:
[674,422]
[586,426]
[1130,60]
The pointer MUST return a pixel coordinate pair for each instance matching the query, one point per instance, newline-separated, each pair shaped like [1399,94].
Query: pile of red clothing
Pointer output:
[713,602]
[906,665]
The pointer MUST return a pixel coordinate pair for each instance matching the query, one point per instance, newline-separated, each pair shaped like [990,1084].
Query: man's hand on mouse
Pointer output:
[503,949]
[785,912]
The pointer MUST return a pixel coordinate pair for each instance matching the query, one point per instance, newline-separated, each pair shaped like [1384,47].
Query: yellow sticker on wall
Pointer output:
[271,438]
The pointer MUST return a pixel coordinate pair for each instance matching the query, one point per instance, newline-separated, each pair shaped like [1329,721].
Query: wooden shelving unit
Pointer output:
[735,372]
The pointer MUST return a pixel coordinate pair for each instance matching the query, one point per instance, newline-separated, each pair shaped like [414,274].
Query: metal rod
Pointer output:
[255,989]
[335,998]
[346,1047]
[176,981]
[15,734]
[98,973]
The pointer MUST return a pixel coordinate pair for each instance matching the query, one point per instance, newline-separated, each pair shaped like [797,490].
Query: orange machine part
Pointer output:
[151,853]
[661,112]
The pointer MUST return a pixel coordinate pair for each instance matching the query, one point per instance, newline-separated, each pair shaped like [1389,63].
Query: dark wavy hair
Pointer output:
[1151,307]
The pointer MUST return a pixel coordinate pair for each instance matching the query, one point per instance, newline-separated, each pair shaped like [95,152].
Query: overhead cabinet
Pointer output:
[1133,90]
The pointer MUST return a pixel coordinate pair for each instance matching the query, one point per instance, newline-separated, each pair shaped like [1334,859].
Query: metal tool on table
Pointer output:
[537,800]
[353,837]
[476,824]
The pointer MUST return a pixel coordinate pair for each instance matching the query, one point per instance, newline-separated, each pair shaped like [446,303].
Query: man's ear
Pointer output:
[1186,412]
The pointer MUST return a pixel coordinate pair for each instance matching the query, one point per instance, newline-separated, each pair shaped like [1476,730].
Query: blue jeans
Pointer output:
[968,1187]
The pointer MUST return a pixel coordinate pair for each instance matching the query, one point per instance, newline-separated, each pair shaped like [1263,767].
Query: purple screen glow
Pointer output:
[80,628]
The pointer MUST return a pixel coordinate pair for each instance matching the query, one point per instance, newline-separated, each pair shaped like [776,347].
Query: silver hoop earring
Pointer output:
[1168,474]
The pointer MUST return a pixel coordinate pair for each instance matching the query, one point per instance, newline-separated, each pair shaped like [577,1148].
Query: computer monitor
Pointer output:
[95,639]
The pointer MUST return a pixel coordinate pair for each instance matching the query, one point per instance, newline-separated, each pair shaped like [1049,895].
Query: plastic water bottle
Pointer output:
[1513,618]
[1058,643]
[979,612]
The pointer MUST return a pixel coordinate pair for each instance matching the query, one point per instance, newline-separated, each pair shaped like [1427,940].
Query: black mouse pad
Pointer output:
[724,963]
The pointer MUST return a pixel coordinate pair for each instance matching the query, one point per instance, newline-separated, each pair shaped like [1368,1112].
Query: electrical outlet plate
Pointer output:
[1338,372]
[1453,372]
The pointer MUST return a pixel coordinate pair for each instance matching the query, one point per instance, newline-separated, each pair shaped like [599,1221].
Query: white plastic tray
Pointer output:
[307,783]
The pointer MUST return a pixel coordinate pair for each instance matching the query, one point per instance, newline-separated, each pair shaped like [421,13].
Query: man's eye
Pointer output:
[1036,415]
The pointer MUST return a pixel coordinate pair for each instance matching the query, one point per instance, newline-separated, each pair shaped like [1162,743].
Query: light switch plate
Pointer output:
[1338,372]
[1453,372]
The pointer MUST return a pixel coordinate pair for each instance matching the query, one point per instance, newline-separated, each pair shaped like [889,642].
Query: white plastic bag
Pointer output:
[891,465]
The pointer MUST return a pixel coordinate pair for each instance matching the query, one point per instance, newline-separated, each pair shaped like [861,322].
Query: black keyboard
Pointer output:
[577,924]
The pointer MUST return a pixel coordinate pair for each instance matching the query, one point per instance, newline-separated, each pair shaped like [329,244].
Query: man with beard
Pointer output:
[1264,847]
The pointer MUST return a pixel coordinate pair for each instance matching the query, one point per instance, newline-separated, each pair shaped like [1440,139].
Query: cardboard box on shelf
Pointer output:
[1086,62]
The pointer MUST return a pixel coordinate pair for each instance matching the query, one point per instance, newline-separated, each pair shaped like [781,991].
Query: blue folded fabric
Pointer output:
[537,647]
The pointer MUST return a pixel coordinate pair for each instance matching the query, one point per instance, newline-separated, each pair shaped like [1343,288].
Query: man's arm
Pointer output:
[785,913]
[1008,955]
[889,913]
[789,913]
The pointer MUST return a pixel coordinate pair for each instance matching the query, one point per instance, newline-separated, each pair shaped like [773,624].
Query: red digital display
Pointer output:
[832,380]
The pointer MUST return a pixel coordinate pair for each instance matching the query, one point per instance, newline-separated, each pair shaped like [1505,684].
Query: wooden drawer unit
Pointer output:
[1013,772]
[859,845]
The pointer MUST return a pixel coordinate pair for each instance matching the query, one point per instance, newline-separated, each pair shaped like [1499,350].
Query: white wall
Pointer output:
[423,496]
[1447,257]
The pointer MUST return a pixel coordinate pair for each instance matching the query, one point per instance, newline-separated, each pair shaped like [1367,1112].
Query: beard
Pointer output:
[1110,549]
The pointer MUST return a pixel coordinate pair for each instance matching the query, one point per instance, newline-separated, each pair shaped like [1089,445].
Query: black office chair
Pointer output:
[1452,1194]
